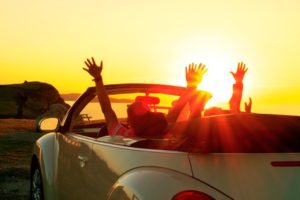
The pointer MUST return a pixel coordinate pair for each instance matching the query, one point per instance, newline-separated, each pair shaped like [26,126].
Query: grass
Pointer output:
[17,137]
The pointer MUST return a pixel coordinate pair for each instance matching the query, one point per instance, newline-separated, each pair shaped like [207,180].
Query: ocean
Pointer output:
[284,109]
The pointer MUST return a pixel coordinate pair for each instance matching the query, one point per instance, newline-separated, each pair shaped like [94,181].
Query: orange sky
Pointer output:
[152,41]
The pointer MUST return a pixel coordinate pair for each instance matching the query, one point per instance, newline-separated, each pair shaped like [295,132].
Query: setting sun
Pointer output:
[153,41]
[218,54]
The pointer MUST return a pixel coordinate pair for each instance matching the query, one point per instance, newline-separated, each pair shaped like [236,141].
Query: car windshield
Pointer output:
[157,102]
[159,98]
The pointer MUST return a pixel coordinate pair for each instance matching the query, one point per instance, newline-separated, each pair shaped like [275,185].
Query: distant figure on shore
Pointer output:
[21,99]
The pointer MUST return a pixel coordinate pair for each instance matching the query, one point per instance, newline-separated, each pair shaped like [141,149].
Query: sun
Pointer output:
[218,79]
[220,55]
[218,82]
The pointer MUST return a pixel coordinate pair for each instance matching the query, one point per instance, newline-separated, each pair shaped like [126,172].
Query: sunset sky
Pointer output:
[152,41]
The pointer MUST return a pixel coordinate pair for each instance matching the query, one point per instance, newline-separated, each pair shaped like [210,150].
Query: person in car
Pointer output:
[237,88]
[237,93]
[192,98]
[141,120]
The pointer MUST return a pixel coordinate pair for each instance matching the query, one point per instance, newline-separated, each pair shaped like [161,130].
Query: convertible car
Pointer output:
[244,156]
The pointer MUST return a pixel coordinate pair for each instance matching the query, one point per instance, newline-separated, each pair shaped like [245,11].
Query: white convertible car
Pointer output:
[231,156]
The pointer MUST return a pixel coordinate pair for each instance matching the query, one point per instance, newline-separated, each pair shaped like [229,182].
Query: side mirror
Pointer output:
[48,124]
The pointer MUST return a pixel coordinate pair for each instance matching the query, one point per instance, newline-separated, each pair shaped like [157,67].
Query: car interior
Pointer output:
[223,133]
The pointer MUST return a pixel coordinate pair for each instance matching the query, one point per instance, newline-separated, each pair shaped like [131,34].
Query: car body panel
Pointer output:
[72,167]
[46,153]
[249,176]
[126,159]
[100,172]
[149,183]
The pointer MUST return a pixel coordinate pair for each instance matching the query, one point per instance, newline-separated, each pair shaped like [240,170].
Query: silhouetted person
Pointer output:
[248,106]
[237,93]
[237,88]
[135,111]
[195,99]
[21,99]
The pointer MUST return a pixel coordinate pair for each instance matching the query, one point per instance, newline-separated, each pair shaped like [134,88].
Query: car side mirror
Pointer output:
[48,124]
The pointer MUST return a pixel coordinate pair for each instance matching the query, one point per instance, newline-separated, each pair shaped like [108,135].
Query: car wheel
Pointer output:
[36,184]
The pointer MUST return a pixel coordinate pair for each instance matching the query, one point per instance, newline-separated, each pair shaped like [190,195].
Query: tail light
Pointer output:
[192,195]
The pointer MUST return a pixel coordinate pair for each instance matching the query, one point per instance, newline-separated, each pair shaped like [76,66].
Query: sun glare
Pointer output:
[219,61]
[218,80]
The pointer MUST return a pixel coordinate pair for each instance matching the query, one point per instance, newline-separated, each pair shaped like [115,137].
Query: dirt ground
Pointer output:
[16,142]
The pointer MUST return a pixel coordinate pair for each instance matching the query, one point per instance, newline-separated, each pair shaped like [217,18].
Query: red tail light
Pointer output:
[192,195]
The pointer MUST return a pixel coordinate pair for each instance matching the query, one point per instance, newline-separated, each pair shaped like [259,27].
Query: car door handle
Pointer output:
[82,160]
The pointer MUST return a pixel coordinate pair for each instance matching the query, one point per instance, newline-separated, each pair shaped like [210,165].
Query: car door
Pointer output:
[74,155]
[74,174]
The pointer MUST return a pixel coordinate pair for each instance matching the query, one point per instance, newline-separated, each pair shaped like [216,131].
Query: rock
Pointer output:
[29,100]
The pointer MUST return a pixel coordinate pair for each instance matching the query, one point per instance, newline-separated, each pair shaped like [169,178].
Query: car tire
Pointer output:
[36,183]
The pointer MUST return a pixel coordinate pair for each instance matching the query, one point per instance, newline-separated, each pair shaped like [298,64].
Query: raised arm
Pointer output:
[237,87]
[95,71]
[193,74]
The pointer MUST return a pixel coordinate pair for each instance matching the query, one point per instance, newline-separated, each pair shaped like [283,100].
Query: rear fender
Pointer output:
[148,183]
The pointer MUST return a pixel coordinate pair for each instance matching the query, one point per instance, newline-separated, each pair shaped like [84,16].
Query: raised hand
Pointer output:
[248,106]
[240,72]
[93,69]
[194,74]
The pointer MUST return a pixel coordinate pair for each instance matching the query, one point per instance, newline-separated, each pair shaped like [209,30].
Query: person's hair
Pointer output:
[137,109]
[144,122]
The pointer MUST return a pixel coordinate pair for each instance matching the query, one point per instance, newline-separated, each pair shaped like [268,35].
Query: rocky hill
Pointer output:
[29,100]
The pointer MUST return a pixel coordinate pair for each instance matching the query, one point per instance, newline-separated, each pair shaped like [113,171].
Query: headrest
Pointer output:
[148,100]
